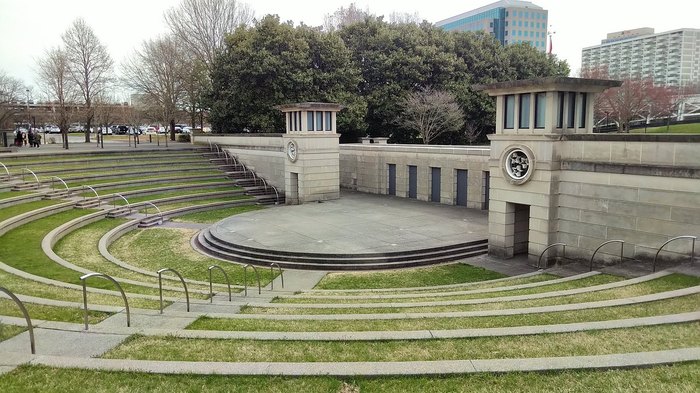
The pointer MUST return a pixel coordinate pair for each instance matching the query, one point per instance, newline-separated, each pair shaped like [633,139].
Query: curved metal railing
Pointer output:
[211,285]
[157,209]
[547,248]
[272,274]
[160,286]
[277,195]
[33,174]
[96,194]
[61,180]
[622,249]
[30,328]
[106,277]
[692,249]
[114,201]
[245,279]
[6,170]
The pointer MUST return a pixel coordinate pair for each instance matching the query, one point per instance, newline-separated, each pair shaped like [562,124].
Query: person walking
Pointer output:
[24,138]
[30,137]
[37,139]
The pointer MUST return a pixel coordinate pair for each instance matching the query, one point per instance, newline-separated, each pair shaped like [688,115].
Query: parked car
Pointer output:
[76,127]
[121,130]
[53,129]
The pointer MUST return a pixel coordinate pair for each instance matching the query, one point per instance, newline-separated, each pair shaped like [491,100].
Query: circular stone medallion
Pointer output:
[518,164]
[292,151]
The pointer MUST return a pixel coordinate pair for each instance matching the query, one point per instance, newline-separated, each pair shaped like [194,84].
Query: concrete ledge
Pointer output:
[440,367]
[684,172]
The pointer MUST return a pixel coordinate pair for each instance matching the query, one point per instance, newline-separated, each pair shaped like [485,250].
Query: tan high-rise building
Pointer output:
[671,58]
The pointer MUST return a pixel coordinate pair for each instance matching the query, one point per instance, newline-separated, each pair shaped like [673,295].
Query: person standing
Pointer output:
[37,139]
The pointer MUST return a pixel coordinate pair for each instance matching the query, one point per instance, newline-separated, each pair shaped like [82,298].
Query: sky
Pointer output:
[29,27]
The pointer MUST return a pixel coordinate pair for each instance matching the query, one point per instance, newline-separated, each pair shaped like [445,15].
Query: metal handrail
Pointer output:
[64,183]
[126,302]
[6,170]
[211,285]
[210,148]
[114,201]
[159,212]
[32,172]
[96,194]
[622,248]
[272,272]
[218,150]
[277,195]
[160,286]
[547,248]
[692,249]
[30,328]
[264,183]
[245,279]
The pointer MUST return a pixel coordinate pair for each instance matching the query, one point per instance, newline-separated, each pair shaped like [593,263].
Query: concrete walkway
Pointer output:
[442,367]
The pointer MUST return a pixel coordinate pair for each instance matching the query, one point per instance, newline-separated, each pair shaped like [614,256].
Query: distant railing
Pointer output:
[33,174]
[547,248]
[6,170]
[211,285]
[61,180]
[272,275]
[30,328]
[245,279]
[158,210]
[160,287]
[114,201]
[277,195]
[622,246]
[96,194]
[126,302]
[692,249]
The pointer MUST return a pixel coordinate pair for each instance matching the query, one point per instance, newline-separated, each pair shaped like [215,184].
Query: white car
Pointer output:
[53,130]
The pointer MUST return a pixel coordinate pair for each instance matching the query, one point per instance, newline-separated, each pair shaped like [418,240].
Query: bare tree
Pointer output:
[471,132]
[156,73]
[10,94]
[431,113]
[397,18]
[54,74]
[344,16]
[89,63]
[201,25]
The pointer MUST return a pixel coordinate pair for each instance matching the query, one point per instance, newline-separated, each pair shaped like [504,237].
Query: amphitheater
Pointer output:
[125,261]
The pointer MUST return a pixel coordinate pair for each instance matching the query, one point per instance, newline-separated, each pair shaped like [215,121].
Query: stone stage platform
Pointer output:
[357,223]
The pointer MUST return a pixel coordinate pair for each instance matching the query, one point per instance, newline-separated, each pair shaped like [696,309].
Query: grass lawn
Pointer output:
[692,128]
[166,207]
[212,216]
[422,290]
[155,248]
[9,331]
[652,338]
[22,250]
[584,282]
[15,210]
[667,283]
[13,194]
[661,307]
[144,187]
[678,378]
[125,180]
[51,313]
[416,277]
[24,286]
[80,247]
[175,193]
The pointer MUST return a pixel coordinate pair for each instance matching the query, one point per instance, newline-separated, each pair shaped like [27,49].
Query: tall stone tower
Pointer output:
[531,118]
[311,144]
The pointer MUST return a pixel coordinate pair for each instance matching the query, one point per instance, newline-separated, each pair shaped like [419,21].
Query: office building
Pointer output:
[510,21]
[671,58]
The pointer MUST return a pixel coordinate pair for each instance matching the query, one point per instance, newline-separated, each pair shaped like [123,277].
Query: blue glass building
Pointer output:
[509,21]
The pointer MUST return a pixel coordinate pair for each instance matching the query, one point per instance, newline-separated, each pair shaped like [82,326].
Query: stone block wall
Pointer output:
[640,189]
[365,168]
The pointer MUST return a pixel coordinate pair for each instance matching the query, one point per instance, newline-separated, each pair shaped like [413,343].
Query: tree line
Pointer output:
[381,71]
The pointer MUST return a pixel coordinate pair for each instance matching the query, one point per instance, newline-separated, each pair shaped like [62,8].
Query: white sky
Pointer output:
[29,27]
